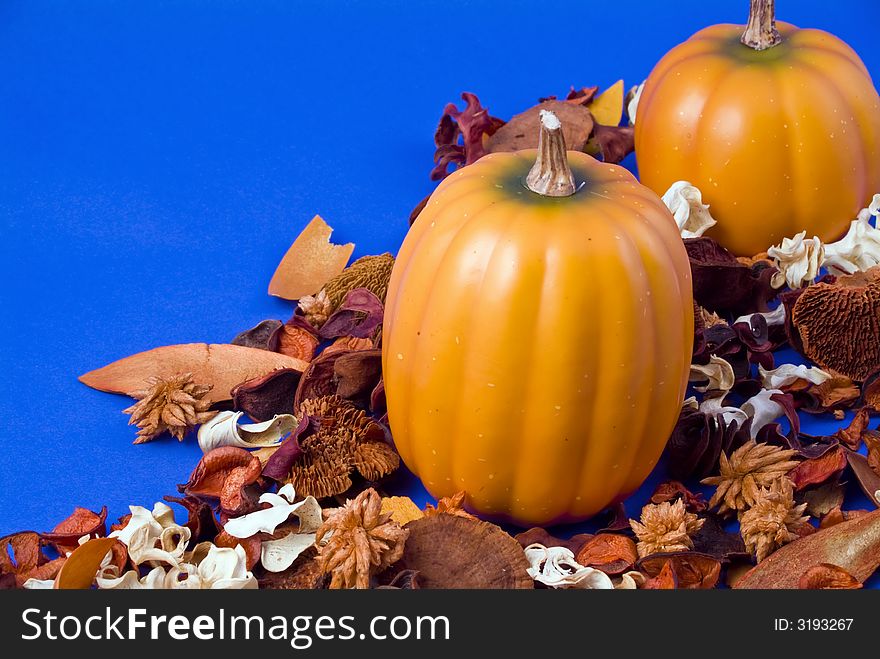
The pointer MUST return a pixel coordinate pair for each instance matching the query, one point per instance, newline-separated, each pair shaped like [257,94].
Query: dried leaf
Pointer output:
[826,576]
[80,568]
[311,261]
[692,570]
[607,107]
[201,521]
[269,395]
[360,313]
[666,579]
[401,509]
[723,284]
[611,143]
[220,365]
[609,552]
[264,335]
[853,545]
[65,536]
[539,536]
[522,131]
[673,490]
[214,468]
[471,125]
[852,434]
[817,471]
[867,478]
[318,380]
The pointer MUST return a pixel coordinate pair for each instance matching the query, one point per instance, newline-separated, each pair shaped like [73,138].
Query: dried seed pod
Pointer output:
[370,272]
[839,324]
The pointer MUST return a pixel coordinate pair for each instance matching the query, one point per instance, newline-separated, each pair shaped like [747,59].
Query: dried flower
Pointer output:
[838,326]
[316,308]
[685,201]
[718,375]
[370,272]
[665,527]
[771,520]
[788,374]
[175,404]
[556,567]
[748,469]
[858,250]
[632,102]
[358,541]
[798,260]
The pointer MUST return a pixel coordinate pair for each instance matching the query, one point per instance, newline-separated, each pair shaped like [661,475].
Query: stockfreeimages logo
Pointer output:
[299,631]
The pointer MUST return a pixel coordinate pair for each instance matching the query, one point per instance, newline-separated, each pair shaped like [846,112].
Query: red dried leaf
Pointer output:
[609,552]
[816,471]
[852,434]
[26,556]
[459,135]
[666,579]
[66,535]
[673,490]
[826,576]
[210,474]
[694,571]
[542,537]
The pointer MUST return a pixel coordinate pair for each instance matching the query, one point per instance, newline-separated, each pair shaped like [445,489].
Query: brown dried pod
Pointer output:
[252,546]
[304,574]
[540,536]
[201,521]
[318,379]
[522,131]
[357,373]
[450,551]
[851,436]
[266,396]
[65,536]
[853,545]
[826,576]
[839,324]
[209,476]
[296,341]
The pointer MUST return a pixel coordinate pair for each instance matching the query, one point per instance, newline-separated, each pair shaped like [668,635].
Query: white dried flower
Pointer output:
[858,250]
[685,202]
[789,373]
[632,105]
[718,372]
[556,567]
[798,260]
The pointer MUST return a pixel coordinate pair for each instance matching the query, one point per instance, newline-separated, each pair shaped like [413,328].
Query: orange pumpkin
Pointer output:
[537,334]
[780,135]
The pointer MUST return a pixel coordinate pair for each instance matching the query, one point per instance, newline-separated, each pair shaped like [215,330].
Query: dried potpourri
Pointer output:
[299,500]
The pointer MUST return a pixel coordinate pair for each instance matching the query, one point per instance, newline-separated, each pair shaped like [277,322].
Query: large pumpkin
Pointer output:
[781,135]
[536,347]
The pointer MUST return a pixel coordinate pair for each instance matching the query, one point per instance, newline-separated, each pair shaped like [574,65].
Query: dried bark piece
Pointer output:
[263,335]
[359,541]
[826,576]
[267,396]
[297,342]
[66,534]
[311,261]
[839,324]
[522,131]
[220,365]
[450,551]
[609,552]
[692,569]
[853,545]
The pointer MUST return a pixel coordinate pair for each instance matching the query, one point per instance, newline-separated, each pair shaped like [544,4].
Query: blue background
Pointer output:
[158,158]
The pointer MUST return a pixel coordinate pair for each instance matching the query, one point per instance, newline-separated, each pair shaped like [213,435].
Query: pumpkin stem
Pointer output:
[550,175]
[761,32]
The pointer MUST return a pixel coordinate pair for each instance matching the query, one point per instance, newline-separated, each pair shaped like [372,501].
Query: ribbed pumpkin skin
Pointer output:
[778,141]
[536,349]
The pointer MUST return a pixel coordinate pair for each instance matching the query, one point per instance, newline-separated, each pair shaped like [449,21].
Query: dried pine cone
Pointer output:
[316,308]
[175,405]
[749,468]
[360,541]
[665,527]
[769,523]
[370,272]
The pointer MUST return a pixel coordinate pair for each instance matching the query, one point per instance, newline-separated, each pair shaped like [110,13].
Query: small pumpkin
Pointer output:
[537,334]
[779,127]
